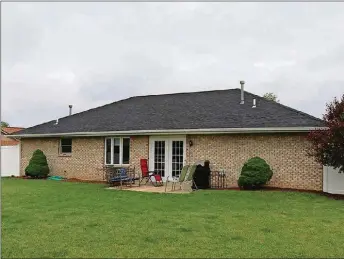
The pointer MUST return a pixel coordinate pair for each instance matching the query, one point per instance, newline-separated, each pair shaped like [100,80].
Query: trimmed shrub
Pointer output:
[254,174]
[38,165]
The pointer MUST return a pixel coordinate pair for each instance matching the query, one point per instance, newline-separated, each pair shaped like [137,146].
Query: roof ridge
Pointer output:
[78,113]
[285,106]
[178,93]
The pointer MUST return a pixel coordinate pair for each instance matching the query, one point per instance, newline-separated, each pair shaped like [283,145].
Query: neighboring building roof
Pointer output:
[197,110]
[10,130]
[6,141]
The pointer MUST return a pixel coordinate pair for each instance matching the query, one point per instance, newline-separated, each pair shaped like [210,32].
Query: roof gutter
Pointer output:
[173,132]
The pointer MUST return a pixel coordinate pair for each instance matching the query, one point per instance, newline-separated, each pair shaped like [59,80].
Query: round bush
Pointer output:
[38,165]
[255,173]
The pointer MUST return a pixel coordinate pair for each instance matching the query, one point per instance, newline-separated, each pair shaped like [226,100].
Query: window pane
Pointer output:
[159,157]
[66,142]
[66,145]
[126,150]
[108,151]
[116,143]
[66,149]
[177,157]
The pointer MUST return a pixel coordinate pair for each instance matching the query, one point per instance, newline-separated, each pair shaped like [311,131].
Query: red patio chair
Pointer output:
[149,175]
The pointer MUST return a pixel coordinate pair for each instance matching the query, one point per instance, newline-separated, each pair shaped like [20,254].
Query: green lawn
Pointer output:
[42,218]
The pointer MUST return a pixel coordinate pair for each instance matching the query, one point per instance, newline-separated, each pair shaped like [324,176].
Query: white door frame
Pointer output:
[168,151]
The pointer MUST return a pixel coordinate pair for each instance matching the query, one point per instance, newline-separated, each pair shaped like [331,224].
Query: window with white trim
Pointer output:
[117,150]
[65,145]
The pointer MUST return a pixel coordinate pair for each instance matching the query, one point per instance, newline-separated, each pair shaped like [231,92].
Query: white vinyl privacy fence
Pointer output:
[10,160]
[333,181]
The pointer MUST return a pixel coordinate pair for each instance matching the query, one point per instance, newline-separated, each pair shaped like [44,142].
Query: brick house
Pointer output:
[226,127]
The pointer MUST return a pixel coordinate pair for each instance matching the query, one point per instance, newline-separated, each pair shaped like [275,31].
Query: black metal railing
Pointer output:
[218,180]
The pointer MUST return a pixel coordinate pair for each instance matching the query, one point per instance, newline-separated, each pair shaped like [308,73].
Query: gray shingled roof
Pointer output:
[196,110]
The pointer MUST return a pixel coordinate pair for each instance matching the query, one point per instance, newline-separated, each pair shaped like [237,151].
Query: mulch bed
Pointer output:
[64,180]
[329,195]
[333,196]
[267,188]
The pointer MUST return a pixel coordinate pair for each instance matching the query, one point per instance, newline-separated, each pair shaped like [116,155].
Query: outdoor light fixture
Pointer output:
[190,143]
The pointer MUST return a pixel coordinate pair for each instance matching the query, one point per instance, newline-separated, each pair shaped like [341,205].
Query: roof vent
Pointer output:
[70,109]
[242,101]
[57,121]
[254,103]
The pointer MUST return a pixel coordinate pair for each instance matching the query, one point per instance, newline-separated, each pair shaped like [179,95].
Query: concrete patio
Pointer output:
[186,188]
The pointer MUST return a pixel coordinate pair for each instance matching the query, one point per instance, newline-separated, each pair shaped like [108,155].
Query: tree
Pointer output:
[4,124]
[38,165]
[328,144]
[271,97]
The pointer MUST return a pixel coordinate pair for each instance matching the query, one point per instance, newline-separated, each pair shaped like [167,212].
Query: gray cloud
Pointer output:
[89,54]
[330,59]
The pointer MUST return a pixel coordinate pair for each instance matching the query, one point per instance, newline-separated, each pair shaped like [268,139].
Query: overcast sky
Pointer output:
[90,54]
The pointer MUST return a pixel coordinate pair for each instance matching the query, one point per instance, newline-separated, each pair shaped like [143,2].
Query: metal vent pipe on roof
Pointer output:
[242,100]
[254,103]
[70,109]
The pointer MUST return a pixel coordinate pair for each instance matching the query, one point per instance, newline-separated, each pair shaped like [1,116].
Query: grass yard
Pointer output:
[42,218]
